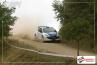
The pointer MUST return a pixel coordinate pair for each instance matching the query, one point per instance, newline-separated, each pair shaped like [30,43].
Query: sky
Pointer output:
[33,13]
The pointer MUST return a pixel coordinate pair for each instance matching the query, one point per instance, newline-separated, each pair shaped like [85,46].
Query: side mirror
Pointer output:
[40,30]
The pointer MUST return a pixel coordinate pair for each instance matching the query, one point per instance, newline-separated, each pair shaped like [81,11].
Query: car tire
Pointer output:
[42,39]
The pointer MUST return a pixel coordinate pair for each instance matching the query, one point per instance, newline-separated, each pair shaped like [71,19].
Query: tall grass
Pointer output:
[85,44]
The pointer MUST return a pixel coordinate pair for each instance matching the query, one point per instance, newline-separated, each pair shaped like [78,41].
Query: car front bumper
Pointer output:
[57,38]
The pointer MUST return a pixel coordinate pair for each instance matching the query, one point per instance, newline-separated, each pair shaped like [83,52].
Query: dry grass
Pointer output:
[17,55]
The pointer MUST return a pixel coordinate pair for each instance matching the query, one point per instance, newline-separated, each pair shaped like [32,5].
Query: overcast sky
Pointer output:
[34,13]
[39,10]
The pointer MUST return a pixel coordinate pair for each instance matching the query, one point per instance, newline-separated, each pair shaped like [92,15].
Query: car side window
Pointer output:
[40,30]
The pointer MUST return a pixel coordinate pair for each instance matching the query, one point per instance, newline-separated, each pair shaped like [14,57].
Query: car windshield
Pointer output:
[49,29]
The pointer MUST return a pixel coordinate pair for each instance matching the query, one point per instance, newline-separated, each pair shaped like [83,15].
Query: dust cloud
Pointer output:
[31,14]
[25,26]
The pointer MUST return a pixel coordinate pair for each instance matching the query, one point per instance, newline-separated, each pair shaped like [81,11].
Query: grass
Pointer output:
[85,44]
[12,54]
[5,48]
[0,46]
[15,55]
[20,44]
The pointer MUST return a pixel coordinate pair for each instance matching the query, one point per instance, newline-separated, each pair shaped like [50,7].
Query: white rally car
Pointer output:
[46,33]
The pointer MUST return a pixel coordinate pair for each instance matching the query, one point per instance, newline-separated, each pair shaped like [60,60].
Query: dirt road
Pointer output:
[54,48]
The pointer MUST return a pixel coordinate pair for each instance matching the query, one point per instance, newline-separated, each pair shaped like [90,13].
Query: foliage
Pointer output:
[76,18]
[6,20]
[59,11]
[75,30]
[96,19]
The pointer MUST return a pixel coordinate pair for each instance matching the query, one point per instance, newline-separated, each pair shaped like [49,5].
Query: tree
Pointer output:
[95,43]
[59,11]
[6,20]
[76,18]
[96,19]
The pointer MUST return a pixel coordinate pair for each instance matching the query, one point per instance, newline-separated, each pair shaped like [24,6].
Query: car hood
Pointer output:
[52,33]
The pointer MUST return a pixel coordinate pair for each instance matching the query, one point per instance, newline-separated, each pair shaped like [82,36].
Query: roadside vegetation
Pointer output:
[15,55]
[0,50]
[18,55]
[6,21]
[78,23]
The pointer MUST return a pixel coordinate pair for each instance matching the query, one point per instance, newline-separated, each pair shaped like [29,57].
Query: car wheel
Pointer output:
[42,39]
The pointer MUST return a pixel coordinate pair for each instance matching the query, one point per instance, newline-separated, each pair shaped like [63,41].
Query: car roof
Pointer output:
[43,26]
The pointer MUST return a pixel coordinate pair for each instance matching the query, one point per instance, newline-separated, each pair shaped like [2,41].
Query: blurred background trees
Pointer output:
[77,19]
